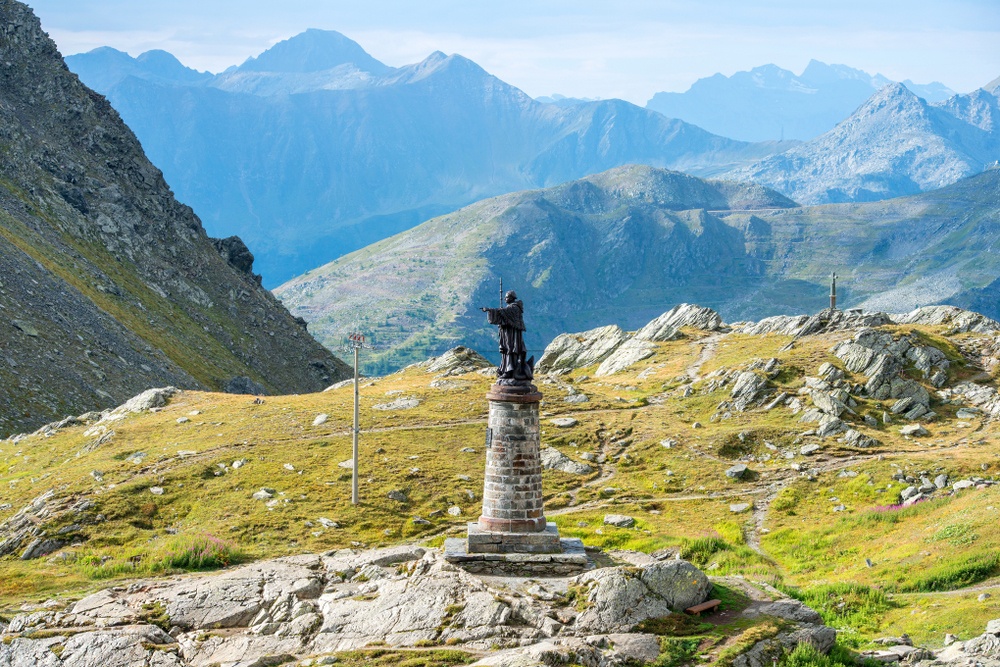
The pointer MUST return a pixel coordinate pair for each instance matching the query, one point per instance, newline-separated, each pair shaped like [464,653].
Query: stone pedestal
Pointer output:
[512,536]
[512,490]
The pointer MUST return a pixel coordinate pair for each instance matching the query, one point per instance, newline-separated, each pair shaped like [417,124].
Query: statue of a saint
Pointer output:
[514,368]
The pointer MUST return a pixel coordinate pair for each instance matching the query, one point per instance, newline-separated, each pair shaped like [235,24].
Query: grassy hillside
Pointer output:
[628,244]
[162,487]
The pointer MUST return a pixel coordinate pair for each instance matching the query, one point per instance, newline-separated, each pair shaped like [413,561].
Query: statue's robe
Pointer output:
[510,319]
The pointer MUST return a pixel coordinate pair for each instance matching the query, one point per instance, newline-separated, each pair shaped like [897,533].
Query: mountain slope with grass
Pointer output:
[627,244]
[314,148]
[108,285]
[780,459]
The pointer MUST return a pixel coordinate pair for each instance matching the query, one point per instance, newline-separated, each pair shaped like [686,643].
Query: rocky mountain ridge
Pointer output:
[894,144]
[769,102]
[365,151]
[107,284]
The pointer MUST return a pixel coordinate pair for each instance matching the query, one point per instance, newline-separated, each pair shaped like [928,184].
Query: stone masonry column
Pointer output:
[512,491]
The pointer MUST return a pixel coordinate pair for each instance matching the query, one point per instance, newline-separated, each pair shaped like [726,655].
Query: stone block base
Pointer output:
[571,560]
[484,542]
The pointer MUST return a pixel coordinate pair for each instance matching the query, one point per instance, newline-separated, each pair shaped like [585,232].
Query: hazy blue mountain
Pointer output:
[105,67]
[314,149]
[769,102]
[625,245]
[894,144]
[563,101]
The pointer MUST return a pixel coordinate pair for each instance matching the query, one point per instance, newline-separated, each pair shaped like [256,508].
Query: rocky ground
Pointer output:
[308,608]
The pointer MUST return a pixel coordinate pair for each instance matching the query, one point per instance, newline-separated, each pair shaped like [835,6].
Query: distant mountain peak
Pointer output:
[314,51]
[993,86]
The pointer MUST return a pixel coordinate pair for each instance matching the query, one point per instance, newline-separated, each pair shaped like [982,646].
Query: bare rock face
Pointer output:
[666,325]
[619,598]
[957,319]
[881,357]
[281,610]
[628,353]
[570,351]
[825,321]
[456,361]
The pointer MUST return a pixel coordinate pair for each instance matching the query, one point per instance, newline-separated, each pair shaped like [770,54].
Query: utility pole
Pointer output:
[833,292]
[356,343]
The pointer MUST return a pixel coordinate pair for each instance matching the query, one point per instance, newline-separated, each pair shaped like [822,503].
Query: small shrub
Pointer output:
[676,651]
[205,552]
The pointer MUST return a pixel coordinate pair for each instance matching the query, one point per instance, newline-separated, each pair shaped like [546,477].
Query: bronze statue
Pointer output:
[514,368]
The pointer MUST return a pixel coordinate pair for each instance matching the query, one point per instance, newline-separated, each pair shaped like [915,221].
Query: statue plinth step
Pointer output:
[495,542]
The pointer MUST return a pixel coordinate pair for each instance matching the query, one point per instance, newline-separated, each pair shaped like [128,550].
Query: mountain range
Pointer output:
[894,144]
[769,102]
[632,242]
[108,285]
[314,148]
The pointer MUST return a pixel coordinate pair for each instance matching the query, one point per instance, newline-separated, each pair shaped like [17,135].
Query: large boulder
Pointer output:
[553,459]
[618,598]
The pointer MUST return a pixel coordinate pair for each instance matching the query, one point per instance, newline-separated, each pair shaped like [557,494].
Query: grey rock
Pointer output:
[619,598]
[738,508]
[665,326]
[263,494]
[748,387]
[619,520]
[320,419]
[957,319]
[809,450]
[568,352]
[456,361]
[737,471]
[553,459]
[563,422]
[626,355]
[398,404]
[791,610]
[909,492]
[398,495]
[914,430]
[941,481]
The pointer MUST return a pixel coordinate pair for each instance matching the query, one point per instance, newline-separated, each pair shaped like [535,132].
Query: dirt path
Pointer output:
[709,345]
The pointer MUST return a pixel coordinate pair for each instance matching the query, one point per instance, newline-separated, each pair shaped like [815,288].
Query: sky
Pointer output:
[628,49]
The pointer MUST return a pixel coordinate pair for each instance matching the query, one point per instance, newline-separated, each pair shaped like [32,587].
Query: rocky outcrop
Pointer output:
[116,287]
[567,352]
[882,358]
[615,350]
[666,325]
[280,610]
[956,319]
[553,459]
[617,598]
[825,321]
[628,354]
[456,361]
